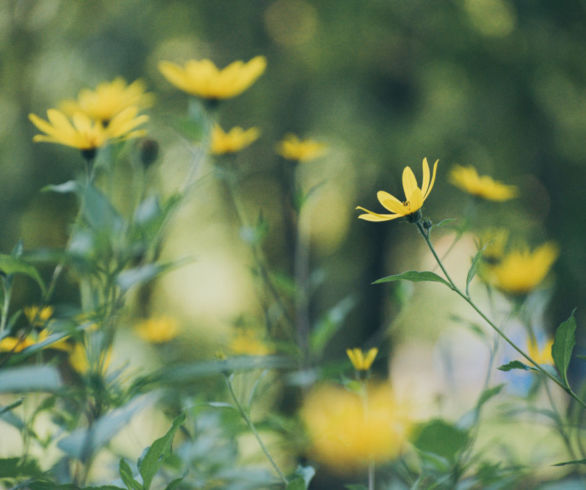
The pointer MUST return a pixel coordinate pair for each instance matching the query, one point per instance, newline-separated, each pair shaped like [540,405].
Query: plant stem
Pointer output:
[253,429]
[465,297]
[371,468]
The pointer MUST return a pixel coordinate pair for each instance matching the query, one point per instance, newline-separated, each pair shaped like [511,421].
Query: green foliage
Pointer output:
[25,379]
[441,438]
[514,365]
[414,276]
[10,265]
[563,347]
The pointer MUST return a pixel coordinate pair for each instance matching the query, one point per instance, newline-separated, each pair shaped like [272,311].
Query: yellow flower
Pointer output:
[158,329]
[37,315]
[520,271]
[494,242]
[203,79]
[414,196]
[233,141]
[467,179]
[18,344]
[542,356]
[84,133]
[108,99]
[80,362]
[293,148]
[360,361]
[246,342]
[347,430]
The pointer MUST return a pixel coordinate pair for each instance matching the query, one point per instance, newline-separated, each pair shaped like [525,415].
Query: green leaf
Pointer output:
[126,475]
[563,345]
[488,394]
[82,443]
[175,483]
[161,448]
[414,276]
[441,438]
[66,188]
[443,222]
[577,461]
[473,269]
[10,265]
[99,212]
[305,473]
[30,378]
[329,324]
[297,484]
[140,275]
[17,467]
[514,365]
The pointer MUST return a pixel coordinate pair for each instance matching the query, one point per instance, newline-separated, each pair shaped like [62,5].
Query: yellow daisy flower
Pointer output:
[468,180]
[108,99]
[348,431]
[233,141]
[540,356]
[359,360]
[203,79]
[158,330]
[85,134]
[293,148]
[520,271]
[414,196]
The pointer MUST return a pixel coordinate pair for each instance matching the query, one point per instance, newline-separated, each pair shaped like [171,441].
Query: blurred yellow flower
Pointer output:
[80,362]
[540,356]
[359,360]
[203,79]
[494,242]
[157,330]
[414,196]
[84,133]
[108,100]
[468,180]
[18,344]
[520,271]
[248,343]
[37,315]
[348,431]
[233,141]
[293,148]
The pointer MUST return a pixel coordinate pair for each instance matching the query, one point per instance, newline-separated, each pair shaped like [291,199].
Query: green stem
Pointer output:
[371,472]
[7,289]
[253,429]
[453,287]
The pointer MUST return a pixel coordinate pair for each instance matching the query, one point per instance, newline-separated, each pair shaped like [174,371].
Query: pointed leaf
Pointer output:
[12,265]
[488,394]
[473,269]
[565,463]
[414,276]
[65,188]
[329,324]
[514,365]
[126,475]
[30,378]
[441,438]
[563,345]
[153,459]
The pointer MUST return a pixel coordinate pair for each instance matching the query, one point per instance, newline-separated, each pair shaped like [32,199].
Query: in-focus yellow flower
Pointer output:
[37,315]
[467,179]
[359,360]
[158,329]
[293,148]
[203,79]
[348,431]
[108,99]
[84,133]
[80,362]
[520,271]
[540,356]
[246,342]
[414,196]
[233,141]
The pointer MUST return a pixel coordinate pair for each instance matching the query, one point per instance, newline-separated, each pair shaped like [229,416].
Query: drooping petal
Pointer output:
[376,217]
[390,202]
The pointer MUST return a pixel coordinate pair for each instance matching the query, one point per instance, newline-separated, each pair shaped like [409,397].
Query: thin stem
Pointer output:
[7,289]
[371,468]
[468,300]
[253,429]
[559,423]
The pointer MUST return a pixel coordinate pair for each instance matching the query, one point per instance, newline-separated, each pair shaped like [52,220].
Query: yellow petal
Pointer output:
[390,202]
[409,183]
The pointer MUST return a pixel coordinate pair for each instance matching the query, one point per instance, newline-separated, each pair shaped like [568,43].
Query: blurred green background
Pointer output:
[498,84]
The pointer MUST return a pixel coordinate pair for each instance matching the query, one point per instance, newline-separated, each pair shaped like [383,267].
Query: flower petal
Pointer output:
[409,183]
[428,190]
[376,217]
[390,202]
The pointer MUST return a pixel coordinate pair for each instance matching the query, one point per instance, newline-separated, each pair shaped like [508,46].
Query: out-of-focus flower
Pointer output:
[361,361]
[203,79]
[248,343]
[540,356]
[414,196]
[520,271]
[37,315]
[80,362]
[348,431]
[494,242]
[293,148]
[108,100]
[468,180]
[18,344]
[233,141]
[84,133]
[157,330]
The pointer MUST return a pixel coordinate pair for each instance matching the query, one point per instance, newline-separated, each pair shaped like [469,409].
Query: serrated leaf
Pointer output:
[514,365]
[30,378]
[10,265]
[126,475]
[563,345]
[441,438]
[577,461]
[414,276]
[153,459]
